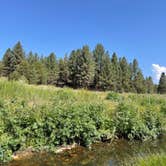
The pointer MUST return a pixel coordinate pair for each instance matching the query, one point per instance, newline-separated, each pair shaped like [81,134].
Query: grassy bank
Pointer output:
[45,117]
[152,160]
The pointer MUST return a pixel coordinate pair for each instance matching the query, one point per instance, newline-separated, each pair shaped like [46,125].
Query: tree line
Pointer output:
[83,68]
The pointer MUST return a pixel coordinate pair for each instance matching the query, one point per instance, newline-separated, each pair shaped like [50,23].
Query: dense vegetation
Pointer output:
[83,68]
[43,117]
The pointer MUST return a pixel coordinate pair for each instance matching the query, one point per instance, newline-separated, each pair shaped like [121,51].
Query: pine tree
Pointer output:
[63,74]
[32,58]
[103,76]
[98,55]
[1,69]
[125,74]
[131,86]
[149,85]
[34,64]
[41,71]
[11,60]
[162,84]
[19,52]
[72,68]
[105,82]
[33,77]
[139,83]
[9,63]
[86,66]
[24,69]
[116,73]
[81,68]
[134,69]
[52,69]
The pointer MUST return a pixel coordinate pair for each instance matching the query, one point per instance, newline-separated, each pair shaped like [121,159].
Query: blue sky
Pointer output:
[132,28]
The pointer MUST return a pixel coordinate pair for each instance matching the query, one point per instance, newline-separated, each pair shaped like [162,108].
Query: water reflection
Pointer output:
[101,154]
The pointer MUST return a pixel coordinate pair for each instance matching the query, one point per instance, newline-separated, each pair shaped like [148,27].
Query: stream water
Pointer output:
[101,154]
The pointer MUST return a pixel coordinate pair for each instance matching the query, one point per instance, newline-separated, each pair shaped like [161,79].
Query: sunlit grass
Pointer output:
[152,160]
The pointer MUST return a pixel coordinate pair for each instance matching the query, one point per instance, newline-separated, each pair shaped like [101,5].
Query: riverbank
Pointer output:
[118,153]
[30,152]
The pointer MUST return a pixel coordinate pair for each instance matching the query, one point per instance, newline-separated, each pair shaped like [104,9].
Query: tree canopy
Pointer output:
[83,68]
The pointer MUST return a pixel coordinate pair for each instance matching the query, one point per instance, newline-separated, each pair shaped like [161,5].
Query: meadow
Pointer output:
[46,117]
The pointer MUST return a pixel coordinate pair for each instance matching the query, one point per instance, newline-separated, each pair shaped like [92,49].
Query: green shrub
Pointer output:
[48,127]
[163,108]
[46,118]
[128,122]
[131,123]
[113,96]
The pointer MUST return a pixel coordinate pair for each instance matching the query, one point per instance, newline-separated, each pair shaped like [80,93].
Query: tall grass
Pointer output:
[152,160]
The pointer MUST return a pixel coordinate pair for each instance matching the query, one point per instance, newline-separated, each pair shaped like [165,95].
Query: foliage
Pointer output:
[82,69]
[162,84]
[138,116]
[63,75]
[113,96]
[103,76]
[52,68]
[44,117]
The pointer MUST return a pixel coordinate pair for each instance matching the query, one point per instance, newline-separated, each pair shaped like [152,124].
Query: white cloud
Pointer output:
[157,69]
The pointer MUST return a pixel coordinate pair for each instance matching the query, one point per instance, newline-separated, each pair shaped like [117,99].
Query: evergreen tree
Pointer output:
[34,64]
[24,69]
[81,68]
[131,86]
[125,74]
[33,77]
[41,72]
[98,55]
[32,58]
[15,75]
[52,69]
[19,52]
[105,80]
[149,85]
[135,70]
[63,74]
[9,63]
[1,69]
[102,78]
[139,83]
[72,68]
[162,84]
[116,73]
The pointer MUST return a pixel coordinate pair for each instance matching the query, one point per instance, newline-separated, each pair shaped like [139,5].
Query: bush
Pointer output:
[114,97]
[48,127]
[14,76]
[131,123]
[46,118]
